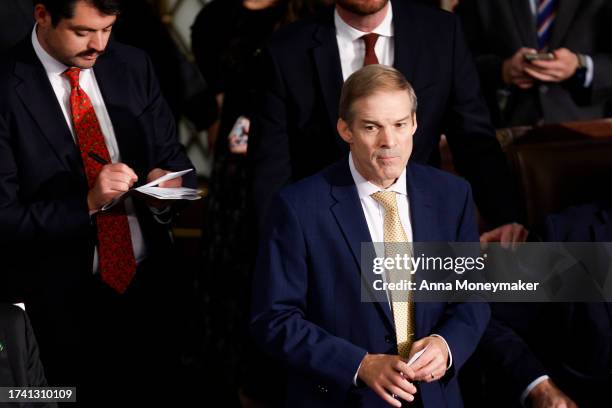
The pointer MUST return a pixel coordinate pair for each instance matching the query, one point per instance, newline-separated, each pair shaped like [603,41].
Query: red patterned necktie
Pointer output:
[115,251]
[370,54]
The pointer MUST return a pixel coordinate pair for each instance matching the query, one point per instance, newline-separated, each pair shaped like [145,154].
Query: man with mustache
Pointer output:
[293,132]
[308,306]
[82,120]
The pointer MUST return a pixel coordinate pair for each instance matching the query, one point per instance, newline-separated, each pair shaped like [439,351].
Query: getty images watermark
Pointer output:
[529,272]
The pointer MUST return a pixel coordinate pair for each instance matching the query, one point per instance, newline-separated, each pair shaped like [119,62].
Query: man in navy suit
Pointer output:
[307,310]
[293,133]
[82,120]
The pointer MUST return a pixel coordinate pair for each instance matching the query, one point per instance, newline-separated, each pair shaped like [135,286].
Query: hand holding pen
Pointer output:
[114,179]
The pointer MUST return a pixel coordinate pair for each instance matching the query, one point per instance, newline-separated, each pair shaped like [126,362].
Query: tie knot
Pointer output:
[73,76]
[387,199]
[370,40]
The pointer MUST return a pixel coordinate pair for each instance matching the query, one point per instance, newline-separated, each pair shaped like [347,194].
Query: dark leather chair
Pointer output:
[557,166]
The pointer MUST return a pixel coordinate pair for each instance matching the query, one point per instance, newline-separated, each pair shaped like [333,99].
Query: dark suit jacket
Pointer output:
[16,20]
[571,342]
[47,236]
[20,364]
[496,29]
[307,309]
[294,129]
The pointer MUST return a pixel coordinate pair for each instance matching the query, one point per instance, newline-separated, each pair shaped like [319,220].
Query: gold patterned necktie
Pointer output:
[396,243]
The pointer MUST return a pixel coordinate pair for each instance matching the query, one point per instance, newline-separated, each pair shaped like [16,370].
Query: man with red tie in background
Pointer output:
[293,132]
[82,120]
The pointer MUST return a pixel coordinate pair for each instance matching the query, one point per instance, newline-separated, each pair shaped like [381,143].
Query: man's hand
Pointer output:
[547,395]
[157,173]
[513,69]
[114,179]
[388,376]
[506,234]
[559,69]
[431,365]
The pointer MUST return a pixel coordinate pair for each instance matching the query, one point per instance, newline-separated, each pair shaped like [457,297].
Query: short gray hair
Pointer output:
[369,80]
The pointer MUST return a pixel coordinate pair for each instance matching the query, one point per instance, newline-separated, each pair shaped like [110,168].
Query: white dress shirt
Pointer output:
[374,211]
[375,218]
[352,47]
[87,81]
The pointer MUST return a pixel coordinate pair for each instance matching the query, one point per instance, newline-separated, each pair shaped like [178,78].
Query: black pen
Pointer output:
[97,158]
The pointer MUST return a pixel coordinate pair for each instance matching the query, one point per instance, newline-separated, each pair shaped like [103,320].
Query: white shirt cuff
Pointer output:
[450,355]
[589,71]
[356,374]
[531,386]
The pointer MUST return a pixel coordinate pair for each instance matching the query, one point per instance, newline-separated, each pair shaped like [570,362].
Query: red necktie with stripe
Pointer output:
[115,251]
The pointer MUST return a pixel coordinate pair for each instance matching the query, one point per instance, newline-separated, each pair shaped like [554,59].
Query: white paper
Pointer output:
[161,193]
[416,356]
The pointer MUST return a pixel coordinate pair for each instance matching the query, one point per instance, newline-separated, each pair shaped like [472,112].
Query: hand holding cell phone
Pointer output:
[539,56]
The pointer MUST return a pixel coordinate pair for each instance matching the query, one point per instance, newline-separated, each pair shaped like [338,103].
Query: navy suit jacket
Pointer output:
[293,133]
[307,310]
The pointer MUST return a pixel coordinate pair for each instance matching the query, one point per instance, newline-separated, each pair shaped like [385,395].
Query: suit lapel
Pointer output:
[37,95]
[422,216]
[405,32]
[526,22]
[566,10]
[327,61]
[350,218]
[114,86]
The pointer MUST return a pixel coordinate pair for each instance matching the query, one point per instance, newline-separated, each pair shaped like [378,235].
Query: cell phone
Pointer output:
[239,136]
[546,56]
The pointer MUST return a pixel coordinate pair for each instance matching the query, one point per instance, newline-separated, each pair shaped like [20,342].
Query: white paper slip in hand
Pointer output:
[161,193]
[416,356]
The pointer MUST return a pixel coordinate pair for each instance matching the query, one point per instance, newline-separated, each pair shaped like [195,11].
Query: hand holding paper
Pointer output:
[161,193]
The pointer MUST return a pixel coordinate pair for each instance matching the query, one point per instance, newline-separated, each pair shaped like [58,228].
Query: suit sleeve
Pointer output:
[63,216]
[602,59]
[507,354]
[36,372]
[169,153]
[504,346]
[476,152]
[269,152]
[463,324]
[278,320]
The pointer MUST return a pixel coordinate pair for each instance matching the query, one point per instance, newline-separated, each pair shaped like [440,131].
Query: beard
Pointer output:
[362,7]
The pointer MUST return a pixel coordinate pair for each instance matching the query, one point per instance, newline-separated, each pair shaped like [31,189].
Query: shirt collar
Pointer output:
[345,31]
[366,189]
[51,65]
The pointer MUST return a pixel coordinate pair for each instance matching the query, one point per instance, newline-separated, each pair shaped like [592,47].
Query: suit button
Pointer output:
[543,89]
[389,339]
[322,389]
